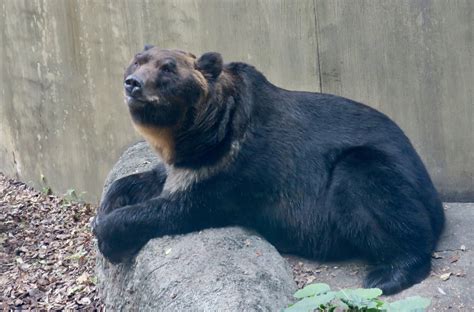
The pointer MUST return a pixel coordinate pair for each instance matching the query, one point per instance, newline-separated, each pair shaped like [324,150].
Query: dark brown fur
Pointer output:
[165,138]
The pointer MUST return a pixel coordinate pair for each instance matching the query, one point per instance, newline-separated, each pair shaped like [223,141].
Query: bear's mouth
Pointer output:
[134,102]
[152,112]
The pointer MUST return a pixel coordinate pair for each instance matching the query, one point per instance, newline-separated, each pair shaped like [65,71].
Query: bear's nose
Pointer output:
[133,86]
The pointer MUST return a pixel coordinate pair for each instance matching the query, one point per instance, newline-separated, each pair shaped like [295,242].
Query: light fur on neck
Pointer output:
[161,139]
[181,179]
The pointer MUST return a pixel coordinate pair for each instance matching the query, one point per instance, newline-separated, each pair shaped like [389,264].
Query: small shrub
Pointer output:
[45,188]
[71,197]
[319,297]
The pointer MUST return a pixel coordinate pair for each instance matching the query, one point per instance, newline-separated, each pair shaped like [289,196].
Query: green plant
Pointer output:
[319,297]
[71,197]
[46,189]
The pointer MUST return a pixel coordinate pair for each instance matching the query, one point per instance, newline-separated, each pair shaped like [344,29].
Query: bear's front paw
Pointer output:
[113,200]
[115,243]
[93,221]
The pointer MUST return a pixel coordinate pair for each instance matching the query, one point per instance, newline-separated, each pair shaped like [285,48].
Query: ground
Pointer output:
[47,256]
[451,283]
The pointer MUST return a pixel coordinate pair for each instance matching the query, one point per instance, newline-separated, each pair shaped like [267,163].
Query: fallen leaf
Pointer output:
[83,278]
[460,274]
[71,291]
[436,256]
[454,258]
[47,247]
[445,276]
[310,279]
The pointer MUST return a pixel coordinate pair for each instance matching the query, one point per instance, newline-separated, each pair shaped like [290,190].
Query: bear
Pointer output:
[317,175]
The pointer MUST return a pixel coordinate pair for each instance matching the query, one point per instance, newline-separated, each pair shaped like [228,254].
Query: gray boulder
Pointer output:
[226,269]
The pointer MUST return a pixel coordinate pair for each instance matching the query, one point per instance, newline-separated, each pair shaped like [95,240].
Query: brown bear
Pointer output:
[317,175]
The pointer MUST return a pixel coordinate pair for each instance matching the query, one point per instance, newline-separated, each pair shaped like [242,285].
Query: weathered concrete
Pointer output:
[61,107]
[413,60]
[62,113]
[455,255]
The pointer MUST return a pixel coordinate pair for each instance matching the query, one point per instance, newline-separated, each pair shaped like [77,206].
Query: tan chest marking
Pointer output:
[161,139]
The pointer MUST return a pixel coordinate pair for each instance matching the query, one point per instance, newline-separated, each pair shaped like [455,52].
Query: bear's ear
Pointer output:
[148,47]
[210,64]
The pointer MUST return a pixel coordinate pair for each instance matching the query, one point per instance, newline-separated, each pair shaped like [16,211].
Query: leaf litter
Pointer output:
[47,253]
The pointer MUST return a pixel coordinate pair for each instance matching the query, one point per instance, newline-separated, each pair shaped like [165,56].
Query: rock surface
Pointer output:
[227,269]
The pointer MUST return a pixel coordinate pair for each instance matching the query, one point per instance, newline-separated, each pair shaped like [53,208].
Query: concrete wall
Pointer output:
[62,113]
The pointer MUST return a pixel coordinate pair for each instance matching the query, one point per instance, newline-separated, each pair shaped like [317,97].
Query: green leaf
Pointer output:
[93,280]
[410,304]
[360,298]
[359,303]
[331,308]
[368,293]
[71,193]
[365,293]
[318,297]
[312,290]
[309,304]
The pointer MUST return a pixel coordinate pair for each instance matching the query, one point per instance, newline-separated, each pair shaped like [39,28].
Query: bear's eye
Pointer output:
[169,67]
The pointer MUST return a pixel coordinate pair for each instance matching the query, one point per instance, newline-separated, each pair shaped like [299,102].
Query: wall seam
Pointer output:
[318,55]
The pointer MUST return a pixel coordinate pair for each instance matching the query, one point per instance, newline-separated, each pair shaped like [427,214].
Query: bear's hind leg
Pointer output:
[376,209]
[397,275]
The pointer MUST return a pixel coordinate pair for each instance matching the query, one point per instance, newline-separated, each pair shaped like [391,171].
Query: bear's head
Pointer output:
[160,85]
[163,88]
